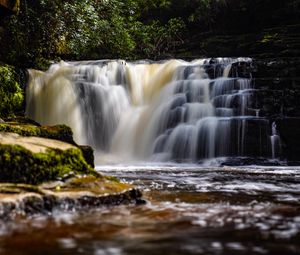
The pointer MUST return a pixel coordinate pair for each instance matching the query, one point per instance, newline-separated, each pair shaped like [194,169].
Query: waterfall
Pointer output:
[275,141]
[160,111]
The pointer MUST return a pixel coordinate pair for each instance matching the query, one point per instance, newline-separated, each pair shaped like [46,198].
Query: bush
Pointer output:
[11,94]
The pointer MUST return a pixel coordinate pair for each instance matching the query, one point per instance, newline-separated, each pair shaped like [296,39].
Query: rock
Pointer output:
[84,192]
[35,160]
[1,121]
[27,127]
[58,132]
[246,161]
[33,144]
[88,154]
[279,41]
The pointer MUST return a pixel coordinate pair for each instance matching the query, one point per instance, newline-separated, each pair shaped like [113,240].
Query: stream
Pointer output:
[190,209]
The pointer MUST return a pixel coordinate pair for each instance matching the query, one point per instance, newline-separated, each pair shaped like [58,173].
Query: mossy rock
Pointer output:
[11,93]
[35,160]
[26,127]
[88,154]
[58,132]
[20,199]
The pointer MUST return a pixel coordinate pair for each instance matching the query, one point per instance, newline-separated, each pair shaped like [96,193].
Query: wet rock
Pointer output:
[89,192]
[246,161]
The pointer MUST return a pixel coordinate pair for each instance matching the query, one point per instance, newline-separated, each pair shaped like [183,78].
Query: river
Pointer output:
[170,111]
[190,209]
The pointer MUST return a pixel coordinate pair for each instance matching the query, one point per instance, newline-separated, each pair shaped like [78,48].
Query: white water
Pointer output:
[158,111]
[275,141]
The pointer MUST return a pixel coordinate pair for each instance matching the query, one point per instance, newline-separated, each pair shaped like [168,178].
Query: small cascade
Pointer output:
[158,111]
[275,141]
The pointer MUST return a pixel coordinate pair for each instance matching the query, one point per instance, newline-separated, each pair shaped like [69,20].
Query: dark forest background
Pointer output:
[44,30]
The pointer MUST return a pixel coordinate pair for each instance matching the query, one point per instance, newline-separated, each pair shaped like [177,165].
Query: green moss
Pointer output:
[11,94]
[58,132]
[19,165]
[26,127]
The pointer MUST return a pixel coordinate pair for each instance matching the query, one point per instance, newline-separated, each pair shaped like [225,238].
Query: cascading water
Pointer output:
[162,111]
[275,141]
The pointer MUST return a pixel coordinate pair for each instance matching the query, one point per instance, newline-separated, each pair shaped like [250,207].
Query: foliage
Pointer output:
[11,94]
[77,29]
[80,29]
[156,39]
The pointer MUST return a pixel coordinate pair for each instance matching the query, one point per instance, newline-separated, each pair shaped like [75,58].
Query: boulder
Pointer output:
[78,193]
[28,127]
[34,160]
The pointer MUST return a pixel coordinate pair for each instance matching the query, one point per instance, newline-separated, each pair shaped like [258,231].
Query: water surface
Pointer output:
[190,210]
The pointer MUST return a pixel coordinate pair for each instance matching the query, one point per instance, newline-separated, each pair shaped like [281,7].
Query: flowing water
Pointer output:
[155,111]
[189,210]
[177,123]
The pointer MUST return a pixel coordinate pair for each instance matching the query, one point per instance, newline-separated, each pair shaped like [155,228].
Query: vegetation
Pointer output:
[47,30]
[11,93]
[19,165]
[24,127]
[83,29]
[59,132]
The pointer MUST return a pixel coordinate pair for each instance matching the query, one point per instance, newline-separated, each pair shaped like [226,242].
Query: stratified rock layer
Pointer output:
[75,194]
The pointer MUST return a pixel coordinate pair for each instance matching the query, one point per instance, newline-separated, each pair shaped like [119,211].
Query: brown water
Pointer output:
[189,210]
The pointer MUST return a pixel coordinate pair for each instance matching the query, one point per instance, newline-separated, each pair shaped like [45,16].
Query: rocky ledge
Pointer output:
[33,160]
[78,193]
[42,169]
